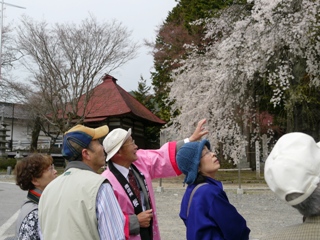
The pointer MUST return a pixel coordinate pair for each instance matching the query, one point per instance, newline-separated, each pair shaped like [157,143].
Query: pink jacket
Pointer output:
[153,164]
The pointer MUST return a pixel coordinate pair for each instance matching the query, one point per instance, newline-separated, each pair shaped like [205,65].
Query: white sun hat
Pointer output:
[293,166]
[114,140]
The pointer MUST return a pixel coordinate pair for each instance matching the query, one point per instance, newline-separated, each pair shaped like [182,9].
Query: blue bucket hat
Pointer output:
[78,138]
[188,159]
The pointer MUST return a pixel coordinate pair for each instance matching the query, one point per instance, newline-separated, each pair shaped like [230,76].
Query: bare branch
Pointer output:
[66,62]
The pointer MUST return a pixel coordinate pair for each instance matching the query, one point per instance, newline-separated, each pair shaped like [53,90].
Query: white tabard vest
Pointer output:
[67,207]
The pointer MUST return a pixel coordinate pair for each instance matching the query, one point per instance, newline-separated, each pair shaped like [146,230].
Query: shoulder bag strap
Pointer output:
[191,196]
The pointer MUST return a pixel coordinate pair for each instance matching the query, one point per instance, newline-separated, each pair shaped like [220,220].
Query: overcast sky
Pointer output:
[140,16]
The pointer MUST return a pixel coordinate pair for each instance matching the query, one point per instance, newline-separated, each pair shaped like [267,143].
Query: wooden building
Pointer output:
[110,104]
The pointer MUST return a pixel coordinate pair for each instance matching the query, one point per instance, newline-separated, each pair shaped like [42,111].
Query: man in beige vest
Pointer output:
[80,204]
[292,171]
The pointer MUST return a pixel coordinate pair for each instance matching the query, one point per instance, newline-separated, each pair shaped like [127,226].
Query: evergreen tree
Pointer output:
[143,95]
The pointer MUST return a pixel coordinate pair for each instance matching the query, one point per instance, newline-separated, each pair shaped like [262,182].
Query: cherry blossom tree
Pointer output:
[176,31]
[266,43]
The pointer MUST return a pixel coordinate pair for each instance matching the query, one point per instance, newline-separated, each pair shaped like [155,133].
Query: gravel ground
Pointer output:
[262,210]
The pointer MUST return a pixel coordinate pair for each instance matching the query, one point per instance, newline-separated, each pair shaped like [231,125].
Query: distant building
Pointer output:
[109,104]
[19,124]
[112,105]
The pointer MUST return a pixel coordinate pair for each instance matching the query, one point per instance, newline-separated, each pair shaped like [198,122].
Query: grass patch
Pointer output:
[246,176]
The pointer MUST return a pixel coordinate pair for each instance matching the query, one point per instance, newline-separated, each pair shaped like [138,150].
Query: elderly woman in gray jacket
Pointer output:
[33,174]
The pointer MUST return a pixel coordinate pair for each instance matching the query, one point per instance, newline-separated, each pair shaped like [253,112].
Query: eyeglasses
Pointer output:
[206,153]
[129,143]
[51,167]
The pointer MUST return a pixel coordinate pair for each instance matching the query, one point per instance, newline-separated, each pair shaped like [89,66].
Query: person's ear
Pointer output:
[119,151]
[85,153]
[35,182]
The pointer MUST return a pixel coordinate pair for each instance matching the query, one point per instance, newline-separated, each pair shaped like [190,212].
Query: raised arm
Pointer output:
[199,132]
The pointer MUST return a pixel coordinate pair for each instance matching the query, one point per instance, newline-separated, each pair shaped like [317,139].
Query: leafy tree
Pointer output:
[65,62]
[275,46]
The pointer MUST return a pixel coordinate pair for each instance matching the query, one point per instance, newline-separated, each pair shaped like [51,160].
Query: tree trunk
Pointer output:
[289,121]
[35,135]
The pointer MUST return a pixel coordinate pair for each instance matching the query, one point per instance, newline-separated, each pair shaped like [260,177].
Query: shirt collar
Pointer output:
[123,170]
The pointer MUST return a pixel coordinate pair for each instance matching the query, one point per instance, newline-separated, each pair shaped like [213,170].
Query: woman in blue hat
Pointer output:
[205,208]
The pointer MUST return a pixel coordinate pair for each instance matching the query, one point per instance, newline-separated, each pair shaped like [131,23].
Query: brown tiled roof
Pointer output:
[109,99]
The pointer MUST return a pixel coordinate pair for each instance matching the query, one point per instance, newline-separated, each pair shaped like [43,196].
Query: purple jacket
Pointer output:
[211,215]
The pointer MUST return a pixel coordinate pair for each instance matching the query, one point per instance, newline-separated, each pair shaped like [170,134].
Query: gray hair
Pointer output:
[310,206]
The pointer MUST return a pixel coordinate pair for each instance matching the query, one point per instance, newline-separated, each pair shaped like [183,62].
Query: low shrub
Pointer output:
[6,162]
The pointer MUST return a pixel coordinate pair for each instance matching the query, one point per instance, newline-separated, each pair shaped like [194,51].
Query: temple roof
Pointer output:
[110,100]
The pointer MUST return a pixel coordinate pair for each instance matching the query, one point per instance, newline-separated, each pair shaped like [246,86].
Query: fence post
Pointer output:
[257,160]
[9,170]
[163,138]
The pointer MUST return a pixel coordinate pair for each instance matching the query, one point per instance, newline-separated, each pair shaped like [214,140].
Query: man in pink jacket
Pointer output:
[136,197]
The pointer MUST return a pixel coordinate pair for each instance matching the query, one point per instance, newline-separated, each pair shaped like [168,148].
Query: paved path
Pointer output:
[263,211]
[11,198]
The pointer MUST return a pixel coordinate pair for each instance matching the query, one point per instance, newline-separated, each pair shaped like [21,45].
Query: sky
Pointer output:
[142,17]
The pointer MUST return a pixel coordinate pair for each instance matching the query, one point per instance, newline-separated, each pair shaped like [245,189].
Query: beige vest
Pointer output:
[67,207]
